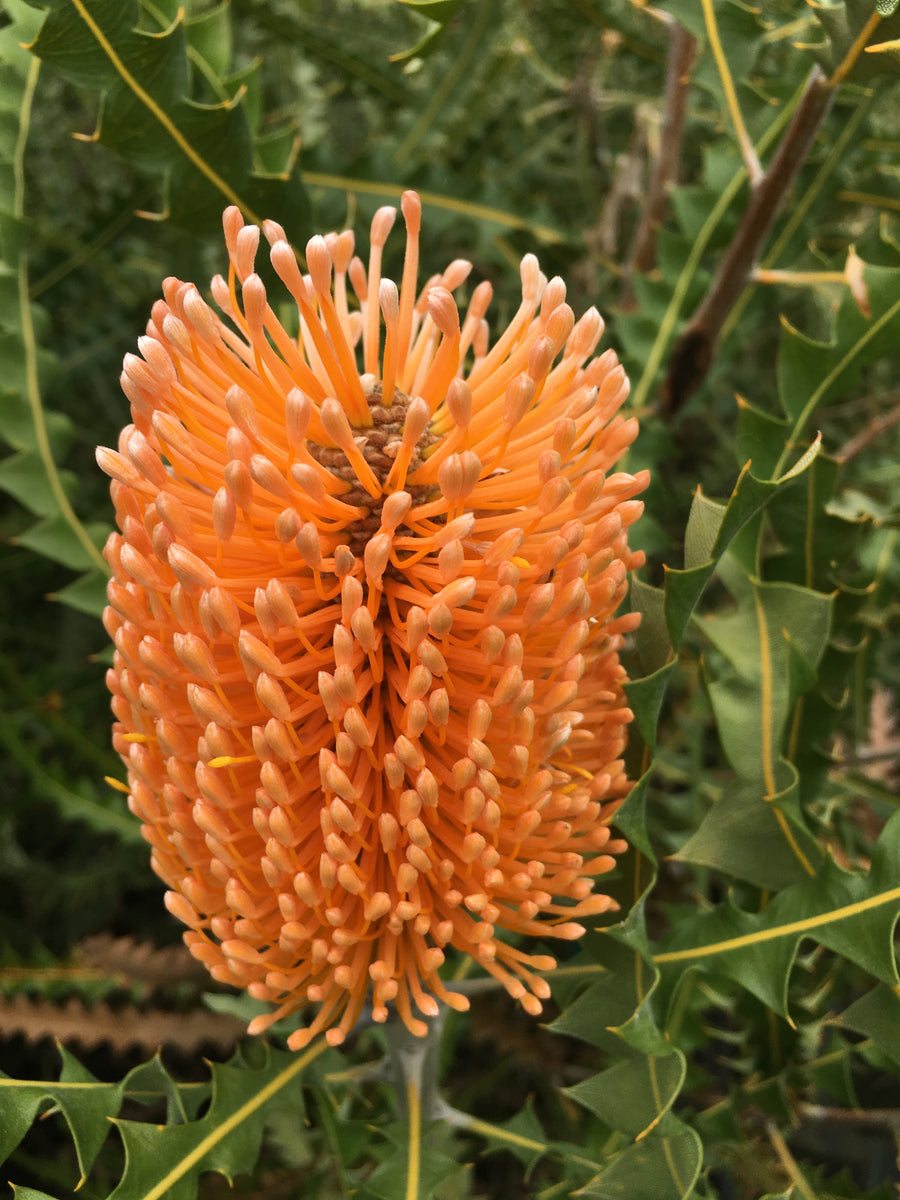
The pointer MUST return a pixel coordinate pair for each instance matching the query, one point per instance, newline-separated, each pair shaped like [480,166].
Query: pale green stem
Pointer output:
[412,1065]
[461,1120]
[29,342]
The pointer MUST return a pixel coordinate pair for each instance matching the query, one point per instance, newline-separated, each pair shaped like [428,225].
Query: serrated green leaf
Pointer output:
[664,1166]
[877,1016]
[772,623]
[631,818]
[750,495]
[525,1128]
[811,372]
[774,640]
[760,437]
[743,835]
[666,612]
[151,1080]
[852,914]
[816,535]
[210,38]
[645,697]
[410,1170]
[86,594]
[202,153]
[55,538]
[86,1104]
[165,1161]
[634,1094]
[711,529]
[604,1003]
[651,638]
[702,530]
[25,23]
[436,14]
[617,1005]
[23,476]
[522,1135]
[92,47]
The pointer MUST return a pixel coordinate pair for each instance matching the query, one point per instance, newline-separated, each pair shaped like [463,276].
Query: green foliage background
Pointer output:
[736,1032]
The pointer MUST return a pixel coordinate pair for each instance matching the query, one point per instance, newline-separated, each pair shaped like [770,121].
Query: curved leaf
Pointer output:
[663,1166]
[851,914]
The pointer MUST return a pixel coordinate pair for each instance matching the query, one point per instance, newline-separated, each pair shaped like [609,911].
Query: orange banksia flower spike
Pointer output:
[363,599]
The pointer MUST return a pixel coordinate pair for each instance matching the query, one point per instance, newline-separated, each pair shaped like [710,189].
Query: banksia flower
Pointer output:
[366,675]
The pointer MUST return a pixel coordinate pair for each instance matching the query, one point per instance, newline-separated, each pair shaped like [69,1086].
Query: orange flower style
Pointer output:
[366,676]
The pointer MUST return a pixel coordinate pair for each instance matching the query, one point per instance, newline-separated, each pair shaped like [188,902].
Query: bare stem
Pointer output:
[870,434]
[680,58]
[413,1063]
[789,1163]
[888,1118]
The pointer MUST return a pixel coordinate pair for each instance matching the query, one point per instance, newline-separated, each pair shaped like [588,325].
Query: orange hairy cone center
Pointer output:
[366,678]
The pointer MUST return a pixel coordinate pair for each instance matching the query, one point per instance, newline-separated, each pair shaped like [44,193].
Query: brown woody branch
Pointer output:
[693,352]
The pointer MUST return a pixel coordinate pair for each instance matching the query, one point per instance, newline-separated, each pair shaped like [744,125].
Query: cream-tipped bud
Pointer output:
[411,207]
[382,224]
[318,262]
[459,402]
[246,245]
[389,301]
[519,395]
[443,311]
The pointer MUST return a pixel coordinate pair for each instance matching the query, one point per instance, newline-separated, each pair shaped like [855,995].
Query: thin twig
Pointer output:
[888,203]
[797,278]
[886,1118]
[462,1120]
[642,256]
[789,1163]
[870,434]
